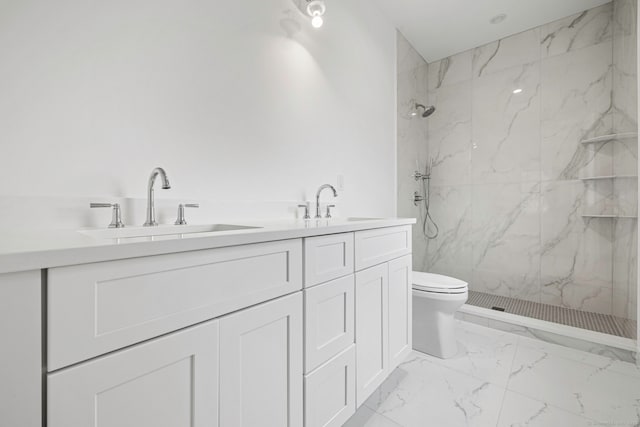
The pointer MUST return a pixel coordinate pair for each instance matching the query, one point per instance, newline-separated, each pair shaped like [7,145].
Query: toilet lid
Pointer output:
[429,282]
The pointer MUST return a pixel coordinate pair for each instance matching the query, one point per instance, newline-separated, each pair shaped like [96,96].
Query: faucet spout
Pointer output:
[151,208]
[322,187]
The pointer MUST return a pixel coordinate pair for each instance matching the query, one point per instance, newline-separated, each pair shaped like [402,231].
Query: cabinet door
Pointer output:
[400,321]
[372,330]
[329,321]
[168,382]
[330,391]
[261,365]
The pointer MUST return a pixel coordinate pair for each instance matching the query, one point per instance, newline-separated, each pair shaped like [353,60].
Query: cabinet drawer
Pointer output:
[167,382]
[329,320]
[380,245]
[97,308]
[327,258]
[330,391]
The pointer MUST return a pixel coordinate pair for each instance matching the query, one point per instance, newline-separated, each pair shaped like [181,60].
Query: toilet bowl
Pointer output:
[435,301]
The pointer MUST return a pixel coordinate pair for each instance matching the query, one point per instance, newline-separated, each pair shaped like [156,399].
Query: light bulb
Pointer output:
[317,21]
[315,9]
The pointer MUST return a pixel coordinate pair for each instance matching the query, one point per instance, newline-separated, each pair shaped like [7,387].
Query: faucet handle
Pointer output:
[181,220]
[116,215]
[306,207]
[328,215]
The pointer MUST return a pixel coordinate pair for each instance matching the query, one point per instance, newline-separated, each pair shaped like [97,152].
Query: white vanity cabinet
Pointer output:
[167,382]
[377,309]
[383,305]
[295,332]
[329,383]
[261,365]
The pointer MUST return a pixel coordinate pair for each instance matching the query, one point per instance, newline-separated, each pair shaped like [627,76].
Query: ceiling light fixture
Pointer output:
[498,18]
[316,9]
[517,91]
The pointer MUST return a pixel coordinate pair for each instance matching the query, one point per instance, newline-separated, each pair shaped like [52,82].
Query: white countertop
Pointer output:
[22,251]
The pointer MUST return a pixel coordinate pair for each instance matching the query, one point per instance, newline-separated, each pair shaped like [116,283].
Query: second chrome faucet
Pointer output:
[322,187]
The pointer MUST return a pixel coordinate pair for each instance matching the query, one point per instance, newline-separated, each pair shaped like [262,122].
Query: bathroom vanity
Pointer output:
[285,324]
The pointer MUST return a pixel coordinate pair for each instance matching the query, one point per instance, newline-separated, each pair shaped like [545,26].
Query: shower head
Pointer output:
[429,111]
[426,111]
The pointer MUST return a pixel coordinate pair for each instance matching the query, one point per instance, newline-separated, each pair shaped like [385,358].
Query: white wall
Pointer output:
[237,100]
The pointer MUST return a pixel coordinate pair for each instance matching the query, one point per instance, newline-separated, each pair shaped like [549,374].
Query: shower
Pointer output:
[428,222]
[429,227]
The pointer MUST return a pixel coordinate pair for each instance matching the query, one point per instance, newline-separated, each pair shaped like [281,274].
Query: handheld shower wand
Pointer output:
[425,198]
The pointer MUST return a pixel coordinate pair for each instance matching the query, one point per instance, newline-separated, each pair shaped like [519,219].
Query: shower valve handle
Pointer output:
[417,198]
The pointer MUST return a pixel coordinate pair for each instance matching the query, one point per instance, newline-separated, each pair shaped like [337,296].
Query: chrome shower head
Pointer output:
[426,111]
[429,111]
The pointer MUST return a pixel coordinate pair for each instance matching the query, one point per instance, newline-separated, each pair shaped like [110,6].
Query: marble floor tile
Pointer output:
[423,392]
[590,391]
[523,411]
[549,386]
[484,353]
[366,417]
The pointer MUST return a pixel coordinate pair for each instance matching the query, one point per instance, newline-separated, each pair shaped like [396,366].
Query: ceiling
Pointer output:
[440,28]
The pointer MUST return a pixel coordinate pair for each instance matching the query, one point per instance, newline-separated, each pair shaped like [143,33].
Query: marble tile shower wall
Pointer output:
[412,136]
[506,188]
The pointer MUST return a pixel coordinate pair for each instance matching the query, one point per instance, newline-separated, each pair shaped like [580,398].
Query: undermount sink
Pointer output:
[355,219]
[162,230]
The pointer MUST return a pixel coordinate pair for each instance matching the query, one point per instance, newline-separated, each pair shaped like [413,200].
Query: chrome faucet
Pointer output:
[151,208]
[322,187]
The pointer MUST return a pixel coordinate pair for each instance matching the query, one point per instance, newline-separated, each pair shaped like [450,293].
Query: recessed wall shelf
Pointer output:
[593,178]
[611,137]
[608,216]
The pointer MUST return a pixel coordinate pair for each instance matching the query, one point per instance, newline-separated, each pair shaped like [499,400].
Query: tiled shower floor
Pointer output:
[580,319]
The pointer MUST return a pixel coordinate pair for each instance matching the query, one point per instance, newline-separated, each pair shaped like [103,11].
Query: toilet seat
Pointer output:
[438,283]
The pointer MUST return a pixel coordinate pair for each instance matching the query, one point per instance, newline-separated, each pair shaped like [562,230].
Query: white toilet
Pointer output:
[435,301]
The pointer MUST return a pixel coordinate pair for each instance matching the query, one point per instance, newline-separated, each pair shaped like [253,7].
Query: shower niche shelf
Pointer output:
[601,177]
[609,216]
[610,137]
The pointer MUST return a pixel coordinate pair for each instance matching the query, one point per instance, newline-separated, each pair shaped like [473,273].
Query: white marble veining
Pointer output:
[625,268]
[412,145]
[561,340]
[521,410]
[506,227]
[576,253]
[501,379]
[592,390]
[506,126]
[451,253]
[576,104]
[451,70]
[583,29]
[519,49]
[449,134]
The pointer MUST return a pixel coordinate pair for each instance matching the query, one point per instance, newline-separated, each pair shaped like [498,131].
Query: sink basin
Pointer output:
[355,219]
[162,230]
